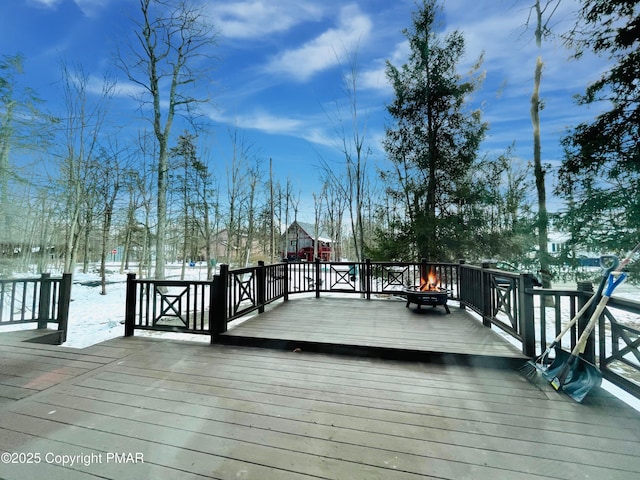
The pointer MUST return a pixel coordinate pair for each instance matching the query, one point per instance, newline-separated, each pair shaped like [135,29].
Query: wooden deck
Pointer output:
[382,328]
[186,410]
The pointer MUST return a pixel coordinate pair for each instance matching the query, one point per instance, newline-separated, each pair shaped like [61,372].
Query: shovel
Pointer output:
[570,373]
[577,377]
[610,264]
[541,367]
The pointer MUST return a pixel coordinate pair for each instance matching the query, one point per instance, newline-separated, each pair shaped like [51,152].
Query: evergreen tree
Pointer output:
[600,175]
[432,145]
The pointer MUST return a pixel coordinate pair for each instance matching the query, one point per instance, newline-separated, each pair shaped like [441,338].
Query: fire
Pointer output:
[431,283]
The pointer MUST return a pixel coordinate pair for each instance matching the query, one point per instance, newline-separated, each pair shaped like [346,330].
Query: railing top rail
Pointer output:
[494,271]
[244,269]
[445,264]
[626,303]
[556,291]
[29,279]
[170,283]
[372,262]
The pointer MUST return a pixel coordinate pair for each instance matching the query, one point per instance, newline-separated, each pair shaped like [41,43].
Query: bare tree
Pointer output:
[335,207]
[272,230]
[81,130]
[236,192]
[318,204]
[351,134]
[206,191]
[542,13]
[108,185]
[243,175]
[287,197]
[170,59]
[139,187]
[254,175]
[23,126]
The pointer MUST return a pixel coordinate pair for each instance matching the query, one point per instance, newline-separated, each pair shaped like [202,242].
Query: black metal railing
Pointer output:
[510,302]
[370,278]
[495,295]
[167,305]
[619,352]
[533,317]
[40,300]
[613,346]
[251,289]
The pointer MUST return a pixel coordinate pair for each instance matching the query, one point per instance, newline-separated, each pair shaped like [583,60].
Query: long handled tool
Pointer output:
[541,367]
[577,377]
[541,364]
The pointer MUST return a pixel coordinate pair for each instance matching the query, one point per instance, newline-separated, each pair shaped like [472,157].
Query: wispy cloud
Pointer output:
[257,18]
[505,35]
[308,128]
[45,3]
[100,85]
[319,54]
[91,7]
[88,7]
[375,77]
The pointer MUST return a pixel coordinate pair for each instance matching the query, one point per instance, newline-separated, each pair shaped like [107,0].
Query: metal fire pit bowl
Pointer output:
[426,297]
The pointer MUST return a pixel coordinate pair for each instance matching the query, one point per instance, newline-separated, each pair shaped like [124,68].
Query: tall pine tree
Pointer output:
[433,143]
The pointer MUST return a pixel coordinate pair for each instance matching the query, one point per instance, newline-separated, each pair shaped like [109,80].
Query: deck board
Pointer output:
[384,324]
[27,368]
[195,410]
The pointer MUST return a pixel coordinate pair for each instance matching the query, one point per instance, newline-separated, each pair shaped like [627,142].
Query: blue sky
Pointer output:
[280,66]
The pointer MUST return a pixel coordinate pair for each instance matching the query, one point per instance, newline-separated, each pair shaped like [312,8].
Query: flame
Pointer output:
[431,283]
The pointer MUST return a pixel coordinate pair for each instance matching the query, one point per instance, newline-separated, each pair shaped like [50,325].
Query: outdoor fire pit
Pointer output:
[433,297]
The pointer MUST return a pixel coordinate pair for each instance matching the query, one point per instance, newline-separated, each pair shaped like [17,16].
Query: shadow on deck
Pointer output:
[382,328]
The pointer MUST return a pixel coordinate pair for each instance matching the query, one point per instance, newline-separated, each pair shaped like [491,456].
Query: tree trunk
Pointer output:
[543,220]
[106,226]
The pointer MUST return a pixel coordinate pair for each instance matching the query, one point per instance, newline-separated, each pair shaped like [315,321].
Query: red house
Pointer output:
[299,241]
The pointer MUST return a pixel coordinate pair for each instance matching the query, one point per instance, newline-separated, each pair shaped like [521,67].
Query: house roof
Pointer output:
[309,229]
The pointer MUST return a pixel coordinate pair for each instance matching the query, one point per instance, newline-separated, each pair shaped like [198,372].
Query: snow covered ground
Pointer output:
[94,318]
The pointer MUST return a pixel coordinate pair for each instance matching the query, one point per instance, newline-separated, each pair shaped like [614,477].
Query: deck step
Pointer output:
[371,351]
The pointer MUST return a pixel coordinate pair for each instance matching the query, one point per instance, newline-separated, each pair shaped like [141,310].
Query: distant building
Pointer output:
[556,243]
[232,249]
[299,241]
[557,248]
[220,248]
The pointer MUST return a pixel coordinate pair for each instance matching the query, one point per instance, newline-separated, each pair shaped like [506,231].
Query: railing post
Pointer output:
[367,268]
[261,284]
[286,281]
[590,349]
[44,302]
[218,303]
[459,283]
[64,300]
[485,292]
[317,275]
[130,305]
[526,315]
